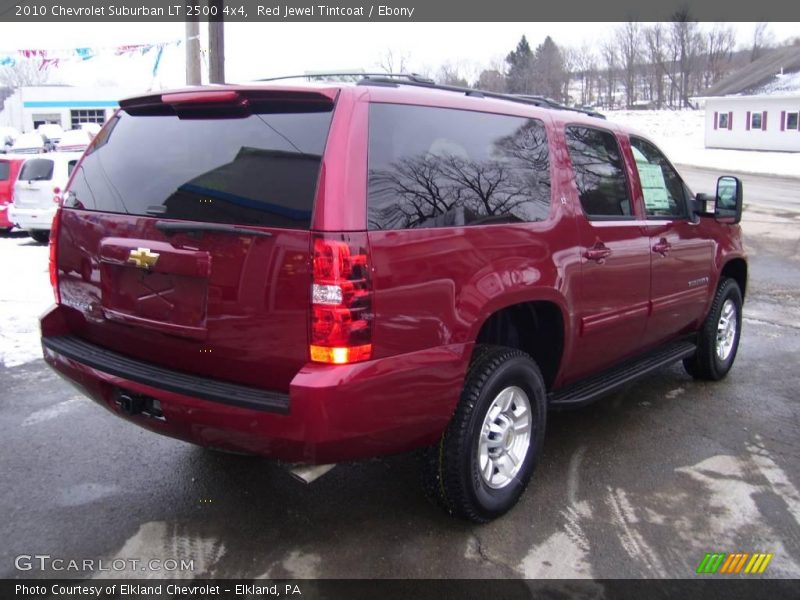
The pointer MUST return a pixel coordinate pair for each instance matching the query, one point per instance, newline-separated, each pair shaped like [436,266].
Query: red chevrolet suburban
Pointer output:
[322,274]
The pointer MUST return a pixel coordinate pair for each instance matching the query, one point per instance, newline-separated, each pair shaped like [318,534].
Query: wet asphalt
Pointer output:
[640,484]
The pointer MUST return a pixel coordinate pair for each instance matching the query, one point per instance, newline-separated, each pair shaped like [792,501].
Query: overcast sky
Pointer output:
[255,50]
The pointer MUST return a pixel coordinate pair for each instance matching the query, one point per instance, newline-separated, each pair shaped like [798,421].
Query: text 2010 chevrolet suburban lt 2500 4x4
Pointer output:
[321,274]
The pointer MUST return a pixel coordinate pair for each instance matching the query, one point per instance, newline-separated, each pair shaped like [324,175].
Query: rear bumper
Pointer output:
[331,413]
[5,223]
[31,218]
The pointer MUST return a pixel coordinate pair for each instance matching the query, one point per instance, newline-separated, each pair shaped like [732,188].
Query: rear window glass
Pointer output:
[259,169]
[37,169]
[5,170]
[440,167]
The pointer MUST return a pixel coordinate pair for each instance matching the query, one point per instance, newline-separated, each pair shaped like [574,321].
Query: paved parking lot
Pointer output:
[641,484]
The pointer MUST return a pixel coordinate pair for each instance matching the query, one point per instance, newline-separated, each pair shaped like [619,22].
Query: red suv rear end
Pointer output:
[9,170]
[214,280]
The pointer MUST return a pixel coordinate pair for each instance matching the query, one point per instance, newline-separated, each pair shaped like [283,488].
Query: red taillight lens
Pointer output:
[54,229]
[341,299]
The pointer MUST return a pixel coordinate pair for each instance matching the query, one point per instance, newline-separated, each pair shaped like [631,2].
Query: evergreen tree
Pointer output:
[520,66]
[548,70]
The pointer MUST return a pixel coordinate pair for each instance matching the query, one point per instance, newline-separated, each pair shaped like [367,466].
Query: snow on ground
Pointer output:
[782,84]
[680,134]
[25,293]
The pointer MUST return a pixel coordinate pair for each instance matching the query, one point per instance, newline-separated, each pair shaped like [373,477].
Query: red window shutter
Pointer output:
[747,125]
[716,119]
[783,120]
[764,121]
[730,121]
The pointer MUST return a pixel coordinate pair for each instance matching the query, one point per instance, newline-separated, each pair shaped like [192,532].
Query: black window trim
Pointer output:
[622,218]
[687,191]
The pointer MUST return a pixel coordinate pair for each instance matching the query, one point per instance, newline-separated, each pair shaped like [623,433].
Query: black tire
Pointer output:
[707,363]
[451,469]
[40,236]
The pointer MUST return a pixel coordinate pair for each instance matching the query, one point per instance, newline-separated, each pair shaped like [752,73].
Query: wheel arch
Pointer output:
[537,327]
[736,269]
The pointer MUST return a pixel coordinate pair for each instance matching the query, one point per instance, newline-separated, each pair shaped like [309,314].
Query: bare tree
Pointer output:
[608,51]
[762,39]
[569,57]
[629,41]
[720,42]
[24,72]
[686,44]
[391,62]
[586,70]
[450,74]
[655,39]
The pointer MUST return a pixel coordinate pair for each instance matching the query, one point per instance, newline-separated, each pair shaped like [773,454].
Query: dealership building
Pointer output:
[28,107]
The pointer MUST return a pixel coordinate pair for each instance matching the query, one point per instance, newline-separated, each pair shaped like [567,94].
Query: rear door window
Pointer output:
[440,167]
[5,170]
[37,169]
[599,172]
[259,169]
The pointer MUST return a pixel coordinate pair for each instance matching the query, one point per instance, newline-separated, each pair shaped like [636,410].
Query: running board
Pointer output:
[586,391]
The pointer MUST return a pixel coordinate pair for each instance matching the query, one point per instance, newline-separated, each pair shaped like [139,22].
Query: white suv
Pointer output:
[37,192]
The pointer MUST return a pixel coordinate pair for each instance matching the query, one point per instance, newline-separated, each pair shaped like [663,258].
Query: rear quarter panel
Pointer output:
[438,286]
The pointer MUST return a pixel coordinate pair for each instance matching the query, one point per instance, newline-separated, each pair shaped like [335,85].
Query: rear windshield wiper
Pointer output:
[170,227]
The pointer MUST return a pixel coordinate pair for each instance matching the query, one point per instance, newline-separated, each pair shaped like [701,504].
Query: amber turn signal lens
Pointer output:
[339,355]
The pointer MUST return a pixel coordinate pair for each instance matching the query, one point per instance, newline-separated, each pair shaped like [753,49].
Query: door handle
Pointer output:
[599,252]
[662,247]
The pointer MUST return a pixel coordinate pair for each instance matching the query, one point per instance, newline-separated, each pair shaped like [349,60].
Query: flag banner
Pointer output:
[51,58]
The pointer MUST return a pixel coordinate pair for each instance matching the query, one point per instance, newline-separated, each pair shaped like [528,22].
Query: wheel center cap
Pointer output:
[508,438]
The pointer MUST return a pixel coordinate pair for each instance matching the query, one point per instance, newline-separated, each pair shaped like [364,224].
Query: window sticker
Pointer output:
[654,187]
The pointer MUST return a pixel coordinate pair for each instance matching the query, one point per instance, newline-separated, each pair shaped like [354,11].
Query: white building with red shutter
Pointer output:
[761,122]
[757,107]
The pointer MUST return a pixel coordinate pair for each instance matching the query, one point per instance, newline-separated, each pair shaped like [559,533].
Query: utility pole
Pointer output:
[192,51]
[216,43]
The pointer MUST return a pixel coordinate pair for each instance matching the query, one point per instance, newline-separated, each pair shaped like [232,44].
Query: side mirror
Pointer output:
[705,205]
[729,199]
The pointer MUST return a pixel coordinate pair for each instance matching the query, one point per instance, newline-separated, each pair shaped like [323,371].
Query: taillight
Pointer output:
[341,299]
[57,195]
[54,229]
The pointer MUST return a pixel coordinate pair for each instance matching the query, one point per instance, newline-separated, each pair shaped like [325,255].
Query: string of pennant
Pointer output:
[48,59]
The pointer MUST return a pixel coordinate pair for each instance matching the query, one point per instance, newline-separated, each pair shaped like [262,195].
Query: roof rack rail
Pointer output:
[414,80]
[413,77]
